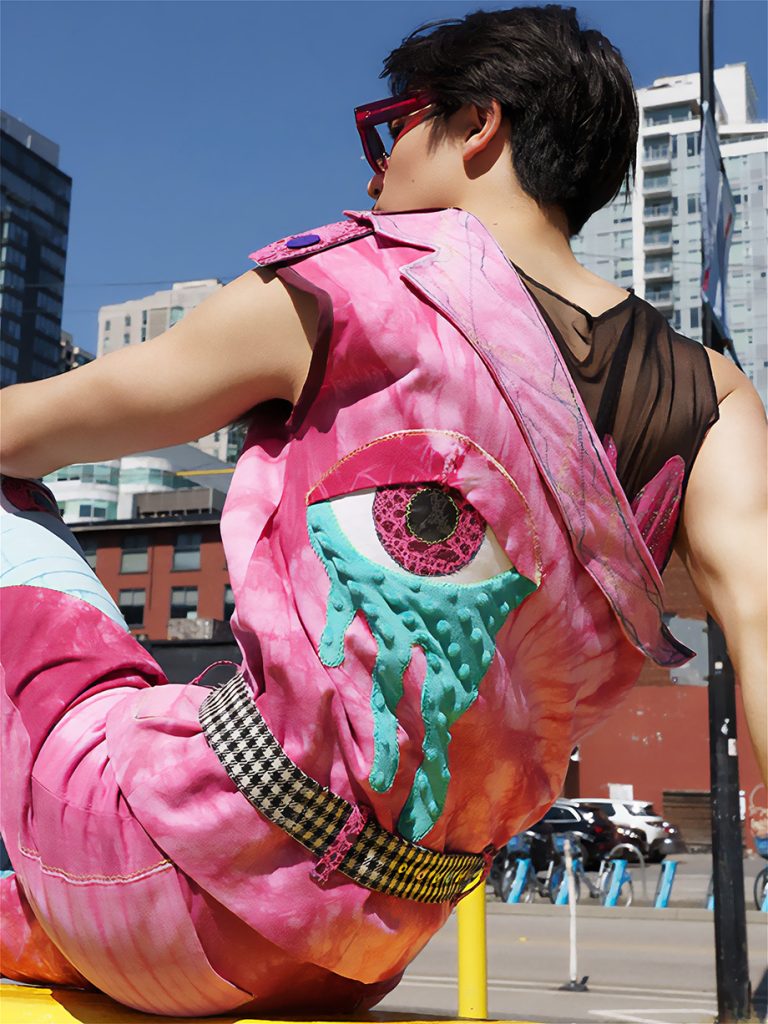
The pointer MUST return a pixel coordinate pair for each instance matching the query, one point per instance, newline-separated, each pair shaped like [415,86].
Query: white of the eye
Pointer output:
[354,514]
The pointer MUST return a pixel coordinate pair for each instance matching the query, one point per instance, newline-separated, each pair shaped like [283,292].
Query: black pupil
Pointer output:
[432,515]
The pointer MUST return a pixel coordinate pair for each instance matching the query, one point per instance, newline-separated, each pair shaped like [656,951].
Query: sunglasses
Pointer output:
[399,115]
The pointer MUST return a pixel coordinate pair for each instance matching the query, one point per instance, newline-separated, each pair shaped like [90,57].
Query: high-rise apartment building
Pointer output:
[34,209]
[137,320]
[652,240]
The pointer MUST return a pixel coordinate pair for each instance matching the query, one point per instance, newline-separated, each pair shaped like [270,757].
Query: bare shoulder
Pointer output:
[727,376]
[593,293]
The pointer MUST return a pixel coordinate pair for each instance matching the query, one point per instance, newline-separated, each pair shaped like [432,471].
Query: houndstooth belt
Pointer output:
[342,835]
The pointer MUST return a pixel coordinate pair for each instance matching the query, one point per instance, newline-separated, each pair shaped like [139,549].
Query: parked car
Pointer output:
[624,834]
[597,833]
[662,837]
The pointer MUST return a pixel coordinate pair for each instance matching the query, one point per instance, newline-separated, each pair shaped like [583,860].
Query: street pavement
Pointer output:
[644,966]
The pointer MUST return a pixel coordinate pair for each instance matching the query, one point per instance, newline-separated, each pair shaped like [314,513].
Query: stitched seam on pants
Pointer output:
[135,876]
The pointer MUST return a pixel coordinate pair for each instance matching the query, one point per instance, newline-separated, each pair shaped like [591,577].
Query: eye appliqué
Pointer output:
[389,526]
[453,617]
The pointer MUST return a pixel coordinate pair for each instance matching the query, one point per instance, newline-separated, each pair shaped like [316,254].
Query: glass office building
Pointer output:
[34,210]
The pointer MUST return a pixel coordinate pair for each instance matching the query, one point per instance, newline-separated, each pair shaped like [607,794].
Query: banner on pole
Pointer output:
[717,212]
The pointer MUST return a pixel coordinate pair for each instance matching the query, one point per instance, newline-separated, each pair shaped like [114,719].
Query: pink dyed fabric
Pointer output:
[147,868]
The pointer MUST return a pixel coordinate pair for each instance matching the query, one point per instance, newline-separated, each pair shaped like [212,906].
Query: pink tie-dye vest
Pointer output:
[439,588]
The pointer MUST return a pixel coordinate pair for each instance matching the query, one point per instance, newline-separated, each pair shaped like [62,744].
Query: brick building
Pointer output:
[167,574]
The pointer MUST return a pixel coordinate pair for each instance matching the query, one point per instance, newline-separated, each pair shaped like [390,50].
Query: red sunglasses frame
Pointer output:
[368,117]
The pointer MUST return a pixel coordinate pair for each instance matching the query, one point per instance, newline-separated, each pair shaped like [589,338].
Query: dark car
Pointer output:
[624,834]
[597,833]
[671,842]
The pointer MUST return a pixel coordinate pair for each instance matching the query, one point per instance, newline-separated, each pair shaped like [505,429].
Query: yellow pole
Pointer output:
[473,976]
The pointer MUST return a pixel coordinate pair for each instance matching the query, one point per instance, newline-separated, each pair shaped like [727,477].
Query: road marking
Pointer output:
[631,1016]
[681,995]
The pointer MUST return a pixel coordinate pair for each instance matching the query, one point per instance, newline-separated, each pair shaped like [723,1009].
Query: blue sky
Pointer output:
[196,132]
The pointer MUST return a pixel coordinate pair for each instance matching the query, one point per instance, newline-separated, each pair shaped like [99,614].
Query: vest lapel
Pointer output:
[466,276]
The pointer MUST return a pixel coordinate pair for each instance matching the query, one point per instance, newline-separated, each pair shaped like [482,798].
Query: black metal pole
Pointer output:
[732,968]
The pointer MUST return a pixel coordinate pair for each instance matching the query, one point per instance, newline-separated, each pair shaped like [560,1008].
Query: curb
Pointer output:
[496,907]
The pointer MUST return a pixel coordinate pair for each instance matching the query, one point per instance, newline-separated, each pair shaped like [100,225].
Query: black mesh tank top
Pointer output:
[648,387]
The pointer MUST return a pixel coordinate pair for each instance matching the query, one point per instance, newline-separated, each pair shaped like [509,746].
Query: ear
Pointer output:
[482,127]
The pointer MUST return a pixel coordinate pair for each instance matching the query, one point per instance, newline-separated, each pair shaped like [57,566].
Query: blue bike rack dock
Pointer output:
[664,888]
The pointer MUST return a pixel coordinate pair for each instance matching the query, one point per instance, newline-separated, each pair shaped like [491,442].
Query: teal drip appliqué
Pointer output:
[455,624]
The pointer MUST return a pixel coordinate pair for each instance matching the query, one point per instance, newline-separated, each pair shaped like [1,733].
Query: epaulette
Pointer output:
[294,247]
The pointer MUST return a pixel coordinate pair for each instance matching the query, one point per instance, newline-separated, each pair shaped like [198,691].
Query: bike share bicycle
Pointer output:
[516,878]
[614,882]
[528,866]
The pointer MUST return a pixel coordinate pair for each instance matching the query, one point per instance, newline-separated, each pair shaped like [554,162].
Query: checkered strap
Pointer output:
[314,816]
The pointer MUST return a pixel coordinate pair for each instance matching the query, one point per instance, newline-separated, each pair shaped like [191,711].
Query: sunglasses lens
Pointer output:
[376,151]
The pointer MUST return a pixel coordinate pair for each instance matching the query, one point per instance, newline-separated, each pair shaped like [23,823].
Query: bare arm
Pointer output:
[723,540]
[247,343]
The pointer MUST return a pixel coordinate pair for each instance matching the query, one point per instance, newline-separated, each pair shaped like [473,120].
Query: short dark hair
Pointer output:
[566,92]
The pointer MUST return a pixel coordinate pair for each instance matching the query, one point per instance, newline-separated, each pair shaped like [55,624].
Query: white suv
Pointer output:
[662,837]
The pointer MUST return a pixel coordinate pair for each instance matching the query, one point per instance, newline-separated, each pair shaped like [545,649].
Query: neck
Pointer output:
[535,238]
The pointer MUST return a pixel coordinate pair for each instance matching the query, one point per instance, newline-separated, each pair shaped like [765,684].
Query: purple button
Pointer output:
[300,241]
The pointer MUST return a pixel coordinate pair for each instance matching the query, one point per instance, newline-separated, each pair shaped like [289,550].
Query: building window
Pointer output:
[14,233]
[132,603]
[13,257]
[48,304]
[12,328]
[694,318]
[89,545]
[656,181]
[184,603]
[177,313]
[8,279]
[46,348]
[127,321]
[104,474]
[8,376]
[10,304]
[9,352]
[107,325]
[53,259]
[668,115]
[186,552]
[229,602]
[135,556]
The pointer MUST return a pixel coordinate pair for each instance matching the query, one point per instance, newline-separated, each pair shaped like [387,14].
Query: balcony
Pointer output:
[661,271]
[657,160]
[662,298]
[658,213]
[658,242]
[657,184]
